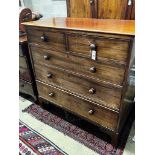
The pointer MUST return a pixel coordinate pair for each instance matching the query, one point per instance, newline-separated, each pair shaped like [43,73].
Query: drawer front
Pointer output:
[111,49]
[24,74]
[47,38]
[25,87]
[22,62]
[85,67]
[83,87]
[78,106]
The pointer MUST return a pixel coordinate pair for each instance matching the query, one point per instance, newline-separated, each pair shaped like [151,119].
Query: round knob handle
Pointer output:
[49,75]
[92,46]
[91,112]
[91,1]
[93,69]
[43,38]
[46,57]
[92,90]
[51,94]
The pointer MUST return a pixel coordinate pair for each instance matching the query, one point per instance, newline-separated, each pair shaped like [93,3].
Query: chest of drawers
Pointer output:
[82,66]
[26,77]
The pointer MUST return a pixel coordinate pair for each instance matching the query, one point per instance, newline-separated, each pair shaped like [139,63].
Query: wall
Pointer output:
[48,8]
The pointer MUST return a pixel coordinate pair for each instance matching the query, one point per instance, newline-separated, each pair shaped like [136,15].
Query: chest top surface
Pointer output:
[110,26]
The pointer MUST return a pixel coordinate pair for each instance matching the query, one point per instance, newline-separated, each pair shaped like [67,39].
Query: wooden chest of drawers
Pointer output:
[82,66]
[26,77]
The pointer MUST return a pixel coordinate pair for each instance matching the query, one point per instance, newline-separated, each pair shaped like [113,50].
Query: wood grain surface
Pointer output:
[112,26]
[67,76]
[101,9]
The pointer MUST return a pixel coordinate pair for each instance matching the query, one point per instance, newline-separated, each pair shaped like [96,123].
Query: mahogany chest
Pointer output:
[26,77]
[82,66]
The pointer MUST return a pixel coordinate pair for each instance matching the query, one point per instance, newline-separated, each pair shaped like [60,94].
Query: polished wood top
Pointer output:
[112,26]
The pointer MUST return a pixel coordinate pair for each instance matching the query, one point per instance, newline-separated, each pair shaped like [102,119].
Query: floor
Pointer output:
[66,143]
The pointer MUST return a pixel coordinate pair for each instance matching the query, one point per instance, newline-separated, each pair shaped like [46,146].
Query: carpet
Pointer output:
[33,143]
[80,135]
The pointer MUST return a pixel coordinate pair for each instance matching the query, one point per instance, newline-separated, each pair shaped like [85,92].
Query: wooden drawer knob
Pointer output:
[44,38]
[92,91]
[91,1]
[91,112]
[51,94]
[46,57]
[92,69]
[49,75]
[93,47]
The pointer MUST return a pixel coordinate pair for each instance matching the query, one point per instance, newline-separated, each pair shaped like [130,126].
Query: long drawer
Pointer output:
[48,38]
[110,74]
[99,115]
[96,92]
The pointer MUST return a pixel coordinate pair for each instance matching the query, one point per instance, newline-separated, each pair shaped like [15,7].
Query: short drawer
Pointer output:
[106,48]
[88,89]
[91,112]
[24,74]
[46,38]
[25,87]
[22,62]
[87,68]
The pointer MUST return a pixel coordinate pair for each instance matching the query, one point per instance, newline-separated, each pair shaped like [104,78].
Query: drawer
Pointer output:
[90,90]
[87,68]
[46,38]
[25,87]
[22,62]
[24,74]
[91,112]
[106,48]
